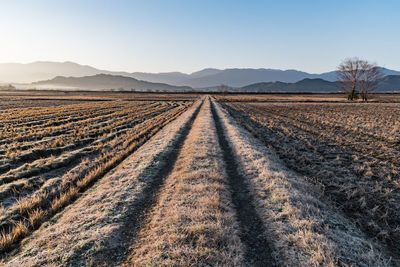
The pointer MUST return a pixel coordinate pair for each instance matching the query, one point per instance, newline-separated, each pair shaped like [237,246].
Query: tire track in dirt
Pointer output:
[138,215]
[252,230]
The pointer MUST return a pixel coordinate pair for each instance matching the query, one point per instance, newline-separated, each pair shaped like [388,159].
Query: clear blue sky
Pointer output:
[188,35]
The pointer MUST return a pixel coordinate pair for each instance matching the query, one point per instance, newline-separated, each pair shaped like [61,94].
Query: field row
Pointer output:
[35,99]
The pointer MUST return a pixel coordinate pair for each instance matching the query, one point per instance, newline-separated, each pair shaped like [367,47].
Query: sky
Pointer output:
[189,35]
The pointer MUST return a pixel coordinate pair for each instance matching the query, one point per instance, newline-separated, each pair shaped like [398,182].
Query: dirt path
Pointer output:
[183,232]
[252,231]
[138,212]
[194,222]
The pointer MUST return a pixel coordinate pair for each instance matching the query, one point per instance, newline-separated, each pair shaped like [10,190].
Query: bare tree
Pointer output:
[370,79]
[358,76]
[349,74]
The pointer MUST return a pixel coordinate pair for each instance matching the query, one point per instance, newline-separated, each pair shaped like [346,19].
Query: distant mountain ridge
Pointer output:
[242,77]
[206,78]
[390,83]
[305,85]
[37,71]
[106,82]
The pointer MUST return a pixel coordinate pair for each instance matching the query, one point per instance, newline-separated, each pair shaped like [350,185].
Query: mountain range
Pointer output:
[122,83]
[72,76]
[39,71]
[389,83]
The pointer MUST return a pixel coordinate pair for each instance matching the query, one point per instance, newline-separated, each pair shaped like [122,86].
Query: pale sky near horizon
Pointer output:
[189,35]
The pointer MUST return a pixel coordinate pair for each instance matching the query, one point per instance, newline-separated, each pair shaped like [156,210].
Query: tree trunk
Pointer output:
[352,94]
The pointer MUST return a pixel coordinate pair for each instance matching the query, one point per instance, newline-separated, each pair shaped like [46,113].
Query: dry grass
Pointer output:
[306,228]
[64,199]
[36,217]
[19,230]
[26,204]
[193,223]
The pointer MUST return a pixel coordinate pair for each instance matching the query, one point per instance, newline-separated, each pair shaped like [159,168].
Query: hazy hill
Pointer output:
[242,77]
[331,76]
[389,83]
[172,78]
[31,72]
[105,82]
[203,73]
[305,85]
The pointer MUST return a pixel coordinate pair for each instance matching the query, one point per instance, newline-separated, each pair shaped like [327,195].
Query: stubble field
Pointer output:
[192,180]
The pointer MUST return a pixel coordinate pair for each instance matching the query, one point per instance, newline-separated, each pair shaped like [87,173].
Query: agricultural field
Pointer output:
[198,180]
